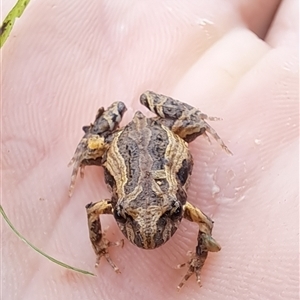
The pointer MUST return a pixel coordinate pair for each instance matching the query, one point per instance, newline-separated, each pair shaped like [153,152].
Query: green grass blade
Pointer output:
[39,251]
[9,21]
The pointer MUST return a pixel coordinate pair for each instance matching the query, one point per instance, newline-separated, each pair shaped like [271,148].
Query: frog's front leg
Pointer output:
[184,120]
[96,139]
[97,237]
[205,242]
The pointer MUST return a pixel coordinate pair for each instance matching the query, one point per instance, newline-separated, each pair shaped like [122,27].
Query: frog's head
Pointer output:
[151,226]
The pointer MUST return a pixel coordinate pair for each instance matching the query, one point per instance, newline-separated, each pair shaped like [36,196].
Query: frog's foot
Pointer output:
[94,143]
[195,265]
[97,236]
[102,250]
[89,151]
[213,133]
[183,119]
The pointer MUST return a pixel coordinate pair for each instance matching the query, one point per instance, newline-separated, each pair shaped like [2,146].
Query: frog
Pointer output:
[147,167]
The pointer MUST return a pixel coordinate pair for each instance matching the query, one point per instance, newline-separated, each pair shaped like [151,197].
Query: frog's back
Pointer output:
[142,159]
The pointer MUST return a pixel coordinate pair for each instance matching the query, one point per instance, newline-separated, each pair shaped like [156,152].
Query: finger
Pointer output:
[257,15]
[284,31]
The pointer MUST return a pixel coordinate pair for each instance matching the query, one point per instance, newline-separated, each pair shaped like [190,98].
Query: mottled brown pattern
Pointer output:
[147,165]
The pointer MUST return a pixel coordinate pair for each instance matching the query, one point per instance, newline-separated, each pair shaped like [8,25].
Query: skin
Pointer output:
[62,63]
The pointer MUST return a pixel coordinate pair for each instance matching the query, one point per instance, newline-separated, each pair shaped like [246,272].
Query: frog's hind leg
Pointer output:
[96,139]
[186,121]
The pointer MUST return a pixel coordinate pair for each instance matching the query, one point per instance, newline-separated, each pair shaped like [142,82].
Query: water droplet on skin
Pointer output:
[215,190]
[257,141]
[231,175]
[237,189]
[203,22]
[224,200]
[228,200]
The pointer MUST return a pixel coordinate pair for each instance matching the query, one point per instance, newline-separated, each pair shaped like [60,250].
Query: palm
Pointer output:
[57,74]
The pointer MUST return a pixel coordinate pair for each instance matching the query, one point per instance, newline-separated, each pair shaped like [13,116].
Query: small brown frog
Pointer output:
[147,165]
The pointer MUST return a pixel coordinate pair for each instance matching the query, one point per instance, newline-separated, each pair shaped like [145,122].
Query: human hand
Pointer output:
[64,60]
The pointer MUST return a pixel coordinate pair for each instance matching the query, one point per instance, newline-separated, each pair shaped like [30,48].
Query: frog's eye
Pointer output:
[119,216]
[177,212]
